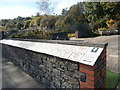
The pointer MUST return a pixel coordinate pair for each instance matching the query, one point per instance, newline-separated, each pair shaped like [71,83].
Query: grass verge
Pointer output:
[112,79]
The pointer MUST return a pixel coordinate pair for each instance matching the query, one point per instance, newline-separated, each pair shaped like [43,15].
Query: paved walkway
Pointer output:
[13,77]
[112,50]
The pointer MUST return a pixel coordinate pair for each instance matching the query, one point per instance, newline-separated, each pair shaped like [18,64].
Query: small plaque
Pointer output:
[94,50]
[91,56]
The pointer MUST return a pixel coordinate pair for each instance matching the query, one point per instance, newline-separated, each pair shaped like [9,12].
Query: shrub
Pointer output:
[71,35]
[101,29]
[110,23]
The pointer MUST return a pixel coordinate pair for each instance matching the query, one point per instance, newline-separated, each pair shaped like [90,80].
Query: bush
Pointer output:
[110,23]
[71,35]
[100,29]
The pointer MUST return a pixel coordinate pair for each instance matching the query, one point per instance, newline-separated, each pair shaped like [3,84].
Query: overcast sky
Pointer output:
[10,9]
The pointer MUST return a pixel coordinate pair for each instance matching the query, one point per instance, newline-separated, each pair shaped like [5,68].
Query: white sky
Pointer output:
[10,9]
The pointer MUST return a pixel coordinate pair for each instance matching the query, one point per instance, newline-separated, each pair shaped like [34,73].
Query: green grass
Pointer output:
[112,79]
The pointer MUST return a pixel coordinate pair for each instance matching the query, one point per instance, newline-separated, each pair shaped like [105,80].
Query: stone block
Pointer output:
[66,78]
[40,73]
[54,65]
[72,67]
[66,85]
[44,57]
[63,67]
[44,62]
[57,82]
[49,64]
[41,67]
[72,81]
[55,71]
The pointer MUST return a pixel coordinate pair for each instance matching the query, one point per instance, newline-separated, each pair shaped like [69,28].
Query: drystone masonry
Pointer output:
[51,71]
[56,72]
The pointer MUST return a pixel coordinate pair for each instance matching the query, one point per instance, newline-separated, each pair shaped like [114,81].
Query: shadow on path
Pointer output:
[13,77]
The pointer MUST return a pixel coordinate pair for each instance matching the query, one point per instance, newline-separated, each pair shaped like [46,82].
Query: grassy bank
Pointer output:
[112,79]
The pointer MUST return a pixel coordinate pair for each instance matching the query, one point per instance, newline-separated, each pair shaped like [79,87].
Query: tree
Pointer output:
[97,13]
[27,24]
[37,14]
[44,21]
[65,23]
[31,23]
[36,21]
[77,12]
[93,11]
[111,9]
[19,18]
[11,24]
[19,25]
[44,7]
[64,11]
[51,22]
[3,22]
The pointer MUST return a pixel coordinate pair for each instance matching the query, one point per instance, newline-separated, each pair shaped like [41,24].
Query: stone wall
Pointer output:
[50,71]
[55,72]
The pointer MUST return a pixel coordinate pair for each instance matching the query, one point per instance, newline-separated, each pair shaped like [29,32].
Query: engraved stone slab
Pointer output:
[60,49]
[78,52]
[91,56]
[51,48]
[81,54]
[67,52]
[40,47]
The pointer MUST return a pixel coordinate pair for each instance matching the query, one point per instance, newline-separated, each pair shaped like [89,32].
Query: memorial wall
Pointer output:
[59,64]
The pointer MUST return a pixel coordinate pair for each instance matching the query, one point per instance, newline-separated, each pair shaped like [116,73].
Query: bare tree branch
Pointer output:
[44,6]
